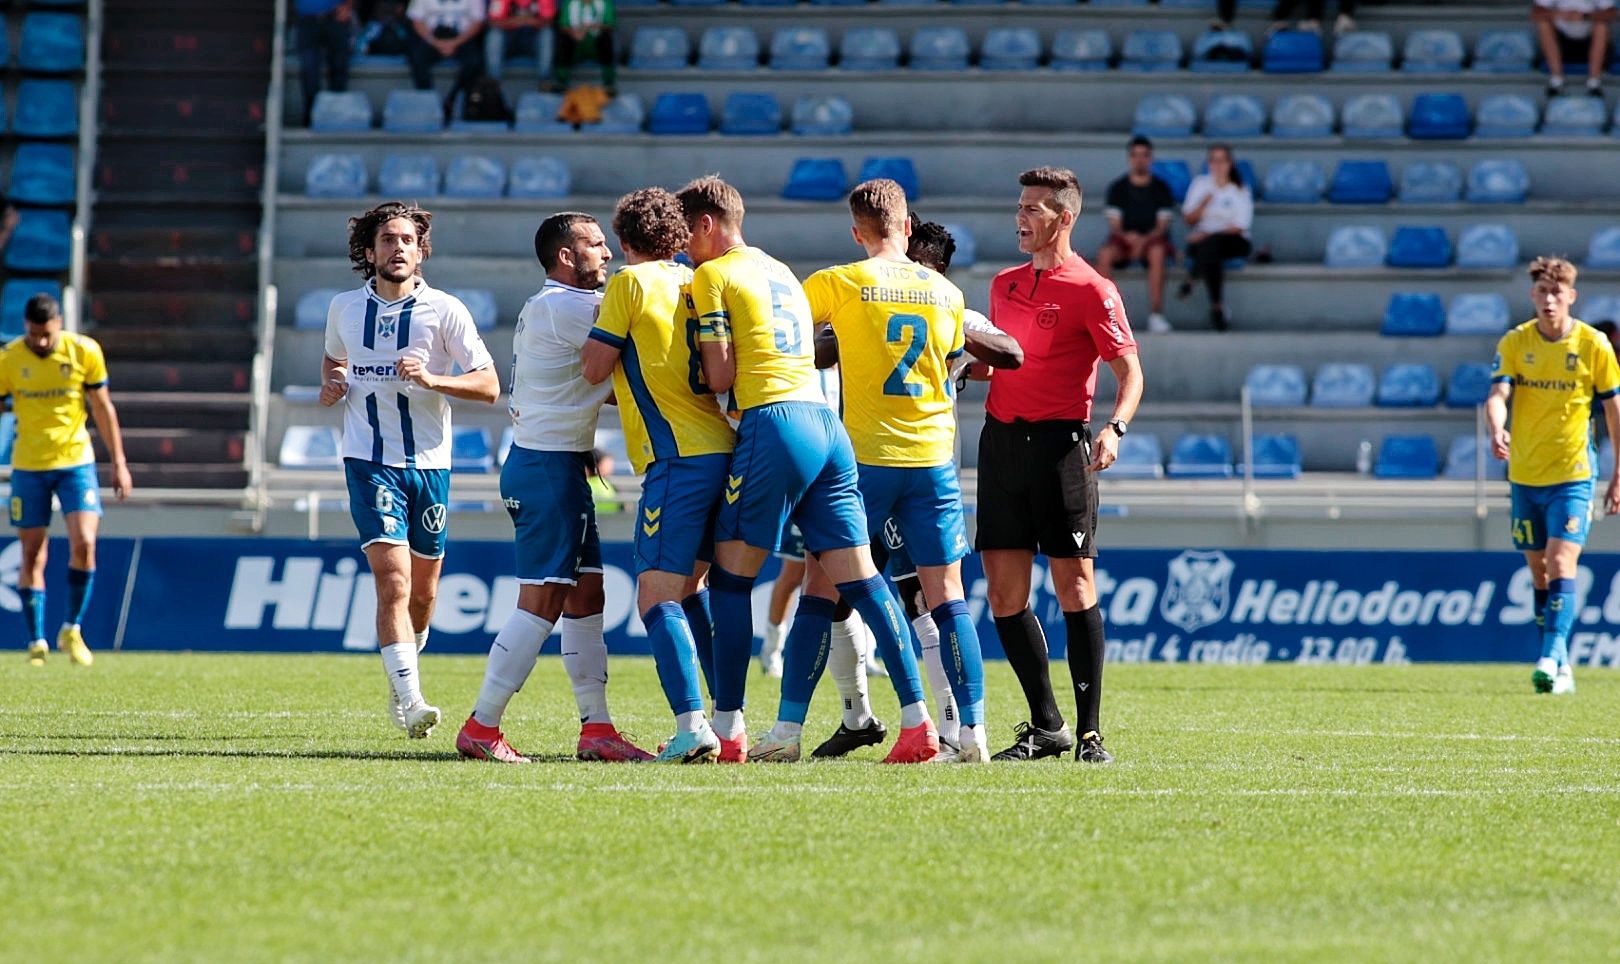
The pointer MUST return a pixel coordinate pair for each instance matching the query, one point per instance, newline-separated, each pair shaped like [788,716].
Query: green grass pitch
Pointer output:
[245,808]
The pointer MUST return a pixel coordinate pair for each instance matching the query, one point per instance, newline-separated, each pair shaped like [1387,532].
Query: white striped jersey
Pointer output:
[387,420]
[553,407]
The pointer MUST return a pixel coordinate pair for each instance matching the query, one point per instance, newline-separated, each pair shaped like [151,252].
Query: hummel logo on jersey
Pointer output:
[733,488]
[652,513]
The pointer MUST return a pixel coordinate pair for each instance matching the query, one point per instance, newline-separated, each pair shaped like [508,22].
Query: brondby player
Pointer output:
[1549,370]
[679,440]
[793,461]
[391,345]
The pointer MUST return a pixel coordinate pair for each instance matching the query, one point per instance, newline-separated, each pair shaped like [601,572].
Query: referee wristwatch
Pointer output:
[1120,427]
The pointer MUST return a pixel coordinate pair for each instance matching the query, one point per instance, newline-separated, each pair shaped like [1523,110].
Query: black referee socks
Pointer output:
[1087,638]
[1025,645]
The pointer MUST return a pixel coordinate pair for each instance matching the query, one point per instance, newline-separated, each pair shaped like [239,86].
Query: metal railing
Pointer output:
[84,174]
[264,354]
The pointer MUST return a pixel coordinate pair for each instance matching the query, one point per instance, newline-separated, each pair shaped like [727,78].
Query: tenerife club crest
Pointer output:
[1197,590]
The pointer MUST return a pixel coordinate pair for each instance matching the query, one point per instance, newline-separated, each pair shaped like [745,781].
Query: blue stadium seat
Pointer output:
[1487,246]
[1302,115]
[335,175]
[1600,308]
[1477,313]
[52,43]
[1356,246]
[311,447]
[1276,457]
[747,113]
[1150,51]
[728,48]
[472,175]
[1164,115]
[470,450]
[800,48]
[1176,174]
[41,243]
[408,175]
[1342,385]
[869,48]
[1431,182]
[1363,52]
[536,113]
[1081,50]
[816,179]
[1200,457]
[624,114]
[1419,246]
[1414,314]
[537,177]
[1470,383]
[939,48]
[339,112]
[1506,115]
[413,112]
[967,246]
[1498,181]
[1140,457]
[1604,251]
[480,304]
[897,169]
[1407,457]
[1372,117]
[1293,52]
[1432,52]
[679,113]
[309,314]
[1408,385]
[1275,386]
[1222,52]
[1027,3]
[43,174]
[1462,460]
[660,48]
[697,3]
[46,108]
[1504,52]
[1295,182]
[1574,117]
[818,116]
[1010,48]
[14,298]
[1439,117]
[1361,182]
[1234,115]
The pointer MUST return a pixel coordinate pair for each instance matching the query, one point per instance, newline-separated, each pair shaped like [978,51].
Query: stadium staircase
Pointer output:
[172,254]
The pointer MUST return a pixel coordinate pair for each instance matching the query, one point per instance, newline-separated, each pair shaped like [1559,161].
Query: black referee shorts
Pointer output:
[1034,490]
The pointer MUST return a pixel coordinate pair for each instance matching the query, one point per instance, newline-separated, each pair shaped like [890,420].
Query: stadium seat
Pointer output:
[869,48]
[800,48]
[1506,115]
[311,447]
[1150,51]
[749,114]
[480,304]
[1295,182]
[46,108]
[1477,313]
[1200,457]
[1408,385]
[1293,52]
[51,43]
[408,175]
[1276,457]
[967,246]
[898,169]
[660,48]
[1081,50]
[1234,115]
[696,3]
[1140,457]
[728,48]
[1470,383]
[335,175]
[42,174]
[14,297]
[1439,117]
[537,177]
[1176,174]
[1487,246]
[820,116]
[413,112]
[340,112]
[1407,457]
[1010,48]
[1414,314]
[1222,52]
[1462,460]
[1302,115]
[1432,52]
[1600,308]
[1342,385]
[1574,117]
[472,175]
[470,450]
[1164,115]
[1275,386]
[1371,117]
[310,312]
[624,114]
[1356,246]
[1027,3]
[816,179]
[536,113]
[939,48]
[1363,52]
[1504,52]
[1604,251]
[679,113]
[1420,246]
[1498,181]
[1431,182]
[1361,182]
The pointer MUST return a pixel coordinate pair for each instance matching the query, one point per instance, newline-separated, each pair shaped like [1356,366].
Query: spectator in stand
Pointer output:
[389,34]
[1140,208]
[1220,210]
[603,491]
[519,27]
[1226,10]
[582,25]
[1574,31]
[446,30]
[324,36]
[8,220]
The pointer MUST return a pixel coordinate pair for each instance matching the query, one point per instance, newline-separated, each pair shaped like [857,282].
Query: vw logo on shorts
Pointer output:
[433,517]
[891,535]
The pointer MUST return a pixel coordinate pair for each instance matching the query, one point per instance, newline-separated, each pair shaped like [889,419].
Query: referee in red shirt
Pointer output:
[1038,463]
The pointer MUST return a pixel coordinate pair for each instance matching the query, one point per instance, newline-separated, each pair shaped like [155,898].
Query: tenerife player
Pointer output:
[53,378]
[1549,370]
[678,440]
[546,492]
[793,460]
[391,345]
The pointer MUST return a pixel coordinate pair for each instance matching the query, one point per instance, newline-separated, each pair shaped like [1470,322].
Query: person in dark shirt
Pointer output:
[1140,208]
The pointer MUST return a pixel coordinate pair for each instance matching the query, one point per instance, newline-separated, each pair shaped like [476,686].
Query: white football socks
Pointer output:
[692,722]
[928,633]
[584,656]
[511,660]
[785,732]
[913,714]
[728,724]
[421,639]
[970,736]
[399,662]
[846,661]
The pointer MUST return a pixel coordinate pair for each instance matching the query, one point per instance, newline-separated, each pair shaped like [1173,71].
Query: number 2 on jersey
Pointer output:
[896,383]
[789,326]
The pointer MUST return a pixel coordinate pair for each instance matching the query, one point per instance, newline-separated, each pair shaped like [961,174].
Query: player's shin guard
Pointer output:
[675,656]
[881,613]
[1024,642]
[696,607]
[846,660]
[585,658]
[1087,643]
[33,611]
[964,661]
[511,659]
[939,682]
[79,582]
[804,657]
[732,603]
[1560,620]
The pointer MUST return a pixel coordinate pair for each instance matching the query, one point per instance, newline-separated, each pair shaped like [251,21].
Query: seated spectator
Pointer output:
[1220,209]
[1225,10]
[446,30]
[517,27]
[1140,206]
[1574,31]
[584,25]
[603,492]
[323,40]
[389,35]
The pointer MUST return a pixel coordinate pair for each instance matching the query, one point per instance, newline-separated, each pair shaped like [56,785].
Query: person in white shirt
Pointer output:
[1574,31]
[445,30]
[391,346]
[1220,209]
[544,486]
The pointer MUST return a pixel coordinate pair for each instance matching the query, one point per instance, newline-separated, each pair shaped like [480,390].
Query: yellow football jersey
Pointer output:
[49,396]
[1554,383]
[665,406]
[750,299]
[898,324]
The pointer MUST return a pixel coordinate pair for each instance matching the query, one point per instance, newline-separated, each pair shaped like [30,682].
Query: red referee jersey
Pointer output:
[1066,319]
